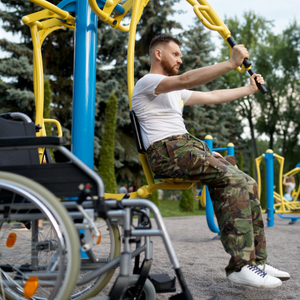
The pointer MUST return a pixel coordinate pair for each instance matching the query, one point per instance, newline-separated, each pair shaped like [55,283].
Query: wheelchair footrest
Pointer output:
[163,283]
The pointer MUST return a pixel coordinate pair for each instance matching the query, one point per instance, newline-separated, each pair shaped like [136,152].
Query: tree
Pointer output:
[186,202]
[241,161]
[280,111]
[154,198]
[252,166]
[252,31]
[219,121]
[106,167]
[263,197]
[47,101]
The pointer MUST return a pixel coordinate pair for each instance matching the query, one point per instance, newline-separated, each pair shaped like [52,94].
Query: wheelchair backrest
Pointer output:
[13,128]
[137,132]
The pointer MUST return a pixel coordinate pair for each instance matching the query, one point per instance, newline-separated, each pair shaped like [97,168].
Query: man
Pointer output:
[157,101]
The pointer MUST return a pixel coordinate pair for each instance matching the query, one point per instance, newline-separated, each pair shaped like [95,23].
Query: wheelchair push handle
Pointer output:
[247,64]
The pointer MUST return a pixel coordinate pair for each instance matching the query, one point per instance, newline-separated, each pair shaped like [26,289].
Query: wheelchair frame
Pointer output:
[91,198]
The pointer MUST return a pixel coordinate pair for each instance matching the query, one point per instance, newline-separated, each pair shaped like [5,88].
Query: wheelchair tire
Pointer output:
[148,292]
[107,250]
[52,255]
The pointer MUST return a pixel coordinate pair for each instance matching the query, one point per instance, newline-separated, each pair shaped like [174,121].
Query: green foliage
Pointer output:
[170,208]
[252,166]
[106,167]
[275,56]
[251,31]
[47,101]
[187,200]
[241,161]
[215,120]
[154,198]
[263,197]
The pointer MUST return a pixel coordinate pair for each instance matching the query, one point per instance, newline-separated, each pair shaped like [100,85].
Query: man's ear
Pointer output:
[157,54]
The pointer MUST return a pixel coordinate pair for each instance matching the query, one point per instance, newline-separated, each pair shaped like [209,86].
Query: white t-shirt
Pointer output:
[160,115]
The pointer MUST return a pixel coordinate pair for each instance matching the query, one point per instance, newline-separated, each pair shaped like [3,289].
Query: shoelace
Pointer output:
[257,271]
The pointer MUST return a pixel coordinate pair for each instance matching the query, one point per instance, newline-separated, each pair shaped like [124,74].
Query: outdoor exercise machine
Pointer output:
[284,206]
[37,201]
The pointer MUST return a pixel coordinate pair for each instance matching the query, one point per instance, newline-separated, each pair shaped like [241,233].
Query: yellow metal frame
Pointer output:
[283,206]
[210,19]
[53,18]
[257,163]
[105,14]
[166,184]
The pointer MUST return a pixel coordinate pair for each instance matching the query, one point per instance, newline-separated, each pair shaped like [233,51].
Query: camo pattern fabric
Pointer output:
[234,195]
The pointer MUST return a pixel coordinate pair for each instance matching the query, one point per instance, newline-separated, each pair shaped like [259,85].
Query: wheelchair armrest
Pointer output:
[44,141]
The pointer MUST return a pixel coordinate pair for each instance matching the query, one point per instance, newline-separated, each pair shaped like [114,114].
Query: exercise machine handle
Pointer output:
[247,64]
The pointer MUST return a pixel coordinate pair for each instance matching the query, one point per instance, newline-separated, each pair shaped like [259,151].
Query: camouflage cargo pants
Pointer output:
[234,195]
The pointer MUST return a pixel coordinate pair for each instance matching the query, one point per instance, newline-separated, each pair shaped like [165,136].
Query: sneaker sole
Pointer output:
[256,286]
[283,278]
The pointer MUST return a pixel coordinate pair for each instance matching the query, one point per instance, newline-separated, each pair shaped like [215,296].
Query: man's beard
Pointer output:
[170,70]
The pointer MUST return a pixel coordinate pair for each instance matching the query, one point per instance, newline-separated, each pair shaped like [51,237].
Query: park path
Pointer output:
[203,260]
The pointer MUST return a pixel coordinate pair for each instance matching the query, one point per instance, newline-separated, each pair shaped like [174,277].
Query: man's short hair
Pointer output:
[162,39]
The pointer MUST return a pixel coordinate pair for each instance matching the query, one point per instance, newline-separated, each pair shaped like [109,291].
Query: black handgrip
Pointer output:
[247,64]
[232,43]
[260,86]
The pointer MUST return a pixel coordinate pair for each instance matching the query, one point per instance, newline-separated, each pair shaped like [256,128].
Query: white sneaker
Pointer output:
[253,276]
[274,272]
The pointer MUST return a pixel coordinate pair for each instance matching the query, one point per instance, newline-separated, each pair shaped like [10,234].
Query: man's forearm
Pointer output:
[193,78]
[220,96]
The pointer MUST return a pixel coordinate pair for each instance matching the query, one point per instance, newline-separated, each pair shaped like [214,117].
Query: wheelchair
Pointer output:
[79,248]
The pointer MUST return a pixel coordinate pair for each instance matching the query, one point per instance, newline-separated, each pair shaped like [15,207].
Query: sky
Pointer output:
[282,12]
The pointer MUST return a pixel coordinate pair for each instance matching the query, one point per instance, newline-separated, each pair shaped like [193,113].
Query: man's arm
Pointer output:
[223,96]
[203,75]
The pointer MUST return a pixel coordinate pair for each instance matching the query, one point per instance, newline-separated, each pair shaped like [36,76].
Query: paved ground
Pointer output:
[203,260]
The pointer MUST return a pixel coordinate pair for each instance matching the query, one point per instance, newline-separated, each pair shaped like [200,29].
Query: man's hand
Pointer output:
[216,154]
[259,79]
[238,54]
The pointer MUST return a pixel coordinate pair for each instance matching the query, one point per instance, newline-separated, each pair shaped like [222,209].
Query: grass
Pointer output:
[170,208]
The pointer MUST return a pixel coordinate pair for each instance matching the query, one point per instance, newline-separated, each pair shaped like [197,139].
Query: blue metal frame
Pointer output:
[269,157]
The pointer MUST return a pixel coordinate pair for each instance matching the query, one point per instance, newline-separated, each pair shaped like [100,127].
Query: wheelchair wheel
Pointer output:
[148,292]
[108,249]
[33,264]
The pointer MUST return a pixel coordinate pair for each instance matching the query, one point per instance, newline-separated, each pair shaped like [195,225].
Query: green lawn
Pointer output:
[170,208]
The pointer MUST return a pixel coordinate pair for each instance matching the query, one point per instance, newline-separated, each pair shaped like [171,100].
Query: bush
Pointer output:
[154,198]
[187,200]
[106,167]
[241,162]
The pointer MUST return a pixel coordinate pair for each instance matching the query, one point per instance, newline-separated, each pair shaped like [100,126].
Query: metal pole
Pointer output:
[209,206]
[270,186]
[84,83]
[230,149]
